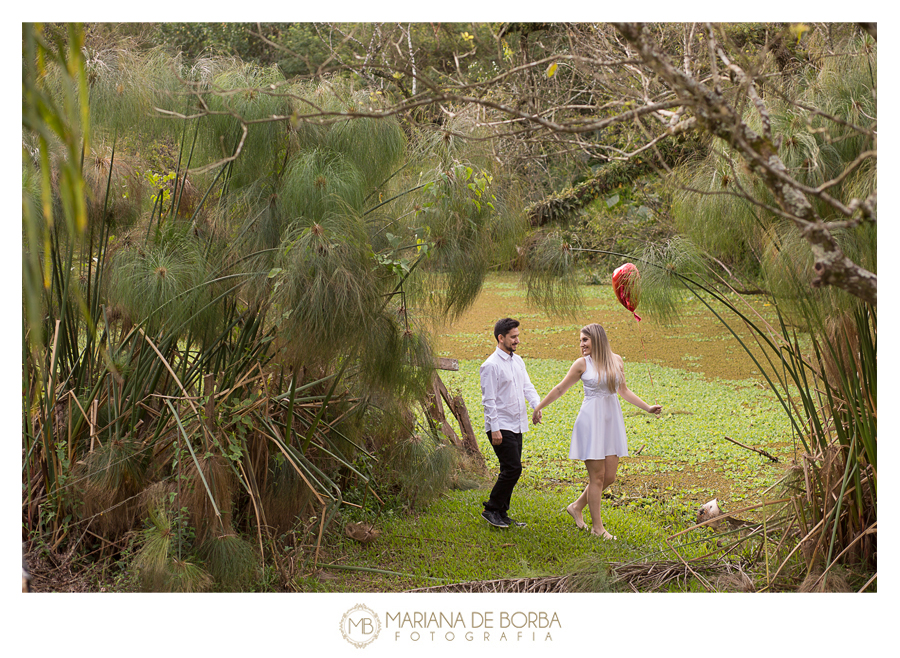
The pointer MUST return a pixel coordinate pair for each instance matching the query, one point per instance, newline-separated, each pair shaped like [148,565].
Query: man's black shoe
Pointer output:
[493,517]
[512,522]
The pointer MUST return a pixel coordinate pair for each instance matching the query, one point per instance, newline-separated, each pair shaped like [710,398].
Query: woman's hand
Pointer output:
[536,417]
[654,409]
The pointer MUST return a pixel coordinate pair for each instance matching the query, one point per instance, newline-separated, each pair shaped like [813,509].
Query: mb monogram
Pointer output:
[360,626]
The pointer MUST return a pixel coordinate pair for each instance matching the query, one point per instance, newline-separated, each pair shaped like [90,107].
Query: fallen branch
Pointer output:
[655,576]
[756,450]
[549,584]
[639,577]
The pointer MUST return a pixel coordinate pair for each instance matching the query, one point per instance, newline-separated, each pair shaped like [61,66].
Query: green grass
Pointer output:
[449,542]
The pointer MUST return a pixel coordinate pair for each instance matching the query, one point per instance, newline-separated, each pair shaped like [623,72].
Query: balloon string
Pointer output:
[640,333]
[641,340]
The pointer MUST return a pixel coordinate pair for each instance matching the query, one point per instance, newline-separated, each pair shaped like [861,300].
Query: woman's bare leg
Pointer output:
[574,509]
[596,469]
[603,475]
[611,464]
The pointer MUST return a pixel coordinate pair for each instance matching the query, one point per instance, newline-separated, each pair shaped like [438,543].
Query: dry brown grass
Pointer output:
[197,499]
[637,577]
[547,585]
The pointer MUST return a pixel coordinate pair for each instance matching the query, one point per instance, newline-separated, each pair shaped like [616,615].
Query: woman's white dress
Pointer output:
[599,429]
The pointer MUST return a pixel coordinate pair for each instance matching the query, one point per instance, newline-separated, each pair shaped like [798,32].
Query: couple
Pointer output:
[598,436]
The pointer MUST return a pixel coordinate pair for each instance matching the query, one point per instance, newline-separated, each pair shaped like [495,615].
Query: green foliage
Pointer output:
[332,46]
[419,467]
[400,361]
[161,182]
[747,34]
[166,286]
[231,561]
[306,51]
[321,185]
[159,561]
[625,222]
[126,85]
[788,260]
[709,207]
[243,94]
[550,274]
[462,217]
[374,146]
[661,282]
[719,222]
[230,39]
[54,111]
[329,290]
[115,190]
[108,481]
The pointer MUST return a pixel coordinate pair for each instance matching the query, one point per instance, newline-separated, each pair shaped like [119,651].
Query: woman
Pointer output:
[598,437]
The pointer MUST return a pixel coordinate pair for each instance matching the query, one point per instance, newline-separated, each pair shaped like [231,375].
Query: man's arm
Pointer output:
[532,396]
[488,377]
[531,393]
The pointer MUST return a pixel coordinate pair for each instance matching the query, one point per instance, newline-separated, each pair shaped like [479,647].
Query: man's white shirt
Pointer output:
[504,384]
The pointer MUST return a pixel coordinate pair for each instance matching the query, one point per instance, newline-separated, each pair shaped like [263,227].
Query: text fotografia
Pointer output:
[477,627]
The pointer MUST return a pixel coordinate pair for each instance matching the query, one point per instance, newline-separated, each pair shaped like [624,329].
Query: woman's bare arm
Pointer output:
[629,396]
[571,377]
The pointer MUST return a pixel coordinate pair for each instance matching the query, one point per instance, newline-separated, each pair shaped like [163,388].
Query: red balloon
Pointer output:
[627,285]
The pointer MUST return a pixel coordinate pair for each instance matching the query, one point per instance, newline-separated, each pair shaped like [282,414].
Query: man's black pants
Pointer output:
[509,454]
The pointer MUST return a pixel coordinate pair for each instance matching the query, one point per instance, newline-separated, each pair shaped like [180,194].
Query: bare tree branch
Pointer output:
[832,266]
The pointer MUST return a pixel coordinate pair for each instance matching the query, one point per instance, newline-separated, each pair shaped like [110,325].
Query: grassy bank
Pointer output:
[450,543]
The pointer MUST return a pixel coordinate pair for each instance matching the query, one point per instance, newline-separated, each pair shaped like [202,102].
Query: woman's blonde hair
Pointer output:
[602,355]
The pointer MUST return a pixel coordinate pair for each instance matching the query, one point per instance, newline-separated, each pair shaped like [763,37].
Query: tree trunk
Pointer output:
[435,409]
[458,408]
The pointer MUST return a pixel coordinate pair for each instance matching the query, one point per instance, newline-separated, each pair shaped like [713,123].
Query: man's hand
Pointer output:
[536,417]
[496,438]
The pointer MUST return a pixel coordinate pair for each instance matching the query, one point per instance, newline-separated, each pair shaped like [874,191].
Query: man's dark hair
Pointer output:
[504,326]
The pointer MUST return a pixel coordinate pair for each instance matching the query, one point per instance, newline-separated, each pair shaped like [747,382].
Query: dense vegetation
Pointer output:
[238,252]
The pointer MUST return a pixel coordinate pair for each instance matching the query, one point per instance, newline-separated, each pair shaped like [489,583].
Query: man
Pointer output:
[504,384]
